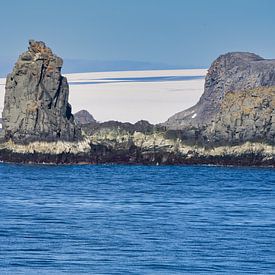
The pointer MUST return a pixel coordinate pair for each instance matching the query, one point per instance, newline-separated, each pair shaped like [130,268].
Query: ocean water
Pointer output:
[136,220]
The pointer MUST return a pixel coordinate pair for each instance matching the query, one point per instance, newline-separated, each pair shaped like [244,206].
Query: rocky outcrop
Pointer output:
[36,100]
[237,105]
[233,72]
[83,117]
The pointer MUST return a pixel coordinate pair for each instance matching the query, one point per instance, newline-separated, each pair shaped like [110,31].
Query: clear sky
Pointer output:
[187,33]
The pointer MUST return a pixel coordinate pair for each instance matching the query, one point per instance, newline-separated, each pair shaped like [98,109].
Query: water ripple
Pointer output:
[136,220]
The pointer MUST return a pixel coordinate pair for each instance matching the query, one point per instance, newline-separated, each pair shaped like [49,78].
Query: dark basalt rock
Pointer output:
[36,104]
[101,154]
[232,72]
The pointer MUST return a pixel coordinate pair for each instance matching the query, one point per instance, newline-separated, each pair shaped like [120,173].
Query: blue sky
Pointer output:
[185,33]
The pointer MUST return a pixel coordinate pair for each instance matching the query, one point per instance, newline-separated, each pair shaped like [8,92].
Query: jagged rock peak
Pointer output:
[36,100]
[38,50]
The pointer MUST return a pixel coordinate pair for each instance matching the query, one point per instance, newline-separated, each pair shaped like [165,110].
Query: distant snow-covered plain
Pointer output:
[132,95]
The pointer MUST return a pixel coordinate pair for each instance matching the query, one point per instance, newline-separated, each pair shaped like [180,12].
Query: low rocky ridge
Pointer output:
[233,123]
[142,126]
[36,100]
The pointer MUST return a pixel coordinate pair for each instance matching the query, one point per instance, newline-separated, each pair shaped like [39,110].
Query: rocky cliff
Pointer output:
[233,72]
[36,100]
[245,116]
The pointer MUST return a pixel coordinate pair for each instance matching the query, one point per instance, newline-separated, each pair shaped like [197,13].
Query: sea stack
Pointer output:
[36,104]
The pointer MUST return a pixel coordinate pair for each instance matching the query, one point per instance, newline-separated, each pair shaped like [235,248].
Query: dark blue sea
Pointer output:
[136,220]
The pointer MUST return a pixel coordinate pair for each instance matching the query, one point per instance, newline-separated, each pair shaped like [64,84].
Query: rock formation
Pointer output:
[83,117]
[36,100]
[233,123]
[232,72]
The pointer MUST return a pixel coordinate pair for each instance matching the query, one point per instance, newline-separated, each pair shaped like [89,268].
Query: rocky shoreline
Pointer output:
[249,159]
[113,146]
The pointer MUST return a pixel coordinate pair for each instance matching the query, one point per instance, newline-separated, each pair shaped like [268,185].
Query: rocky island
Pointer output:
[232,124]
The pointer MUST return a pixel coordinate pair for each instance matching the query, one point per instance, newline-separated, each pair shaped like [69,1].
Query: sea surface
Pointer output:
[136,220]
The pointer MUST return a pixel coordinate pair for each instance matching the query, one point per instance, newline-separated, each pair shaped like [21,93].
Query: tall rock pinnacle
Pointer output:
[36,104]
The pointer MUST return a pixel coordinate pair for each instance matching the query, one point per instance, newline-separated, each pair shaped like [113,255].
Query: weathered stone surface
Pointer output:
[242,117]
[36,100]
[83,117]
[246,116]
[232,72]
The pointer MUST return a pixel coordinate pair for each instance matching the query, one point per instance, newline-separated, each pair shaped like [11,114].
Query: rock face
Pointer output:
[247,116]
[243,117]
[83,117]
[232,72]
[36,100]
